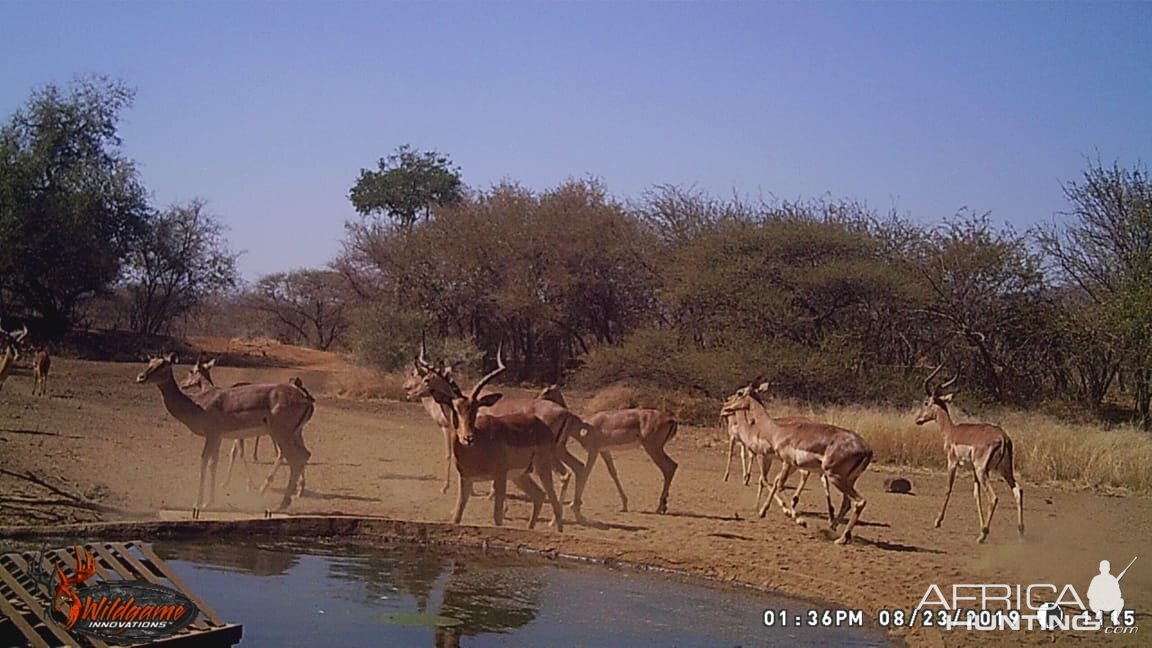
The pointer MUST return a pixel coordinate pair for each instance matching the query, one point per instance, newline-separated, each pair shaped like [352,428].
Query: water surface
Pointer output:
[399,595]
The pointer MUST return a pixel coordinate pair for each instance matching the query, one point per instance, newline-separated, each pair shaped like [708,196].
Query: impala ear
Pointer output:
[208,365]
[947,398]
[172,359]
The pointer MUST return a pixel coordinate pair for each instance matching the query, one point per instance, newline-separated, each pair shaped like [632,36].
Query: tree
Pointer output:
[1106,252]
[986,288]
[181,260]
[311,305]
[71,204]
[406,186]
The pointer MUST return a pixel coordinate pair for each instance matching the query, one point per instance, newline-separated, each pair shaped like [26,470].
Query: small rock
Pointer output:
[897,485]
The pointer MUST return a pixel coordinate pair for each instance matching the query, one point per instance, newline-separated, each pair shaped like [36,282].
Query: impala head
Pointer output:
[426,381]
[159,369]
[552,393]
[934,401]
[200,374]
[12,340]
[465,408]
[740,399]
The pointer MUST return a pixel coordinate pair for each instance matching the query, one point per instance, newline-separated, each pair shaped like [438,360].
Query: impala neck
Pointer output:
[944,419]
[179,404]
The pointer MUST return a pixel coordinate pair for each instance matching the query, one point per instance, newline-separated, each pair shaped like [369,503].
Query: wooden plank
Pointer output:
[70,562]
[177,581]
[17,618]
[34,605]
[114,561]
[121,552]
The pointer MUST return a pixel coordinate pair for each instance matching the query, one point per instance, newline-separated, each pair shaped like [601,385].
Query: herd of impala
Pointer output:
[492,437]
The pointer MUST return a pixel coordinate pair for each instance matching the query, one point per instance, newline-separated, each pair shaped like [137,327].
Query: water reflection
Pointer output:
[410,595]
[247,559]
[500,595]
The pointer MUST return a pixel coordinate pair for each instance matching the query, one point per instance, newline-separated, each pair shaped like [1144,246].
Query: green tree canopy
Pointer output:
[71,204]
[406,186]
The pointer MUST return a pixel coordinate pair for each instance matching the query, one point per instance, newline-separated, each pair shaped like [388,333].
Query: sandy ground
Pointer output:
[110,438]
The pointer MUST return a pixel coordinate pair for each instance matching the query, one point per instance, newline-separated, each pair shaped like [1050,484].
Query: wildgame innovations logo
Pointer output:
[116,611]
[1044,607]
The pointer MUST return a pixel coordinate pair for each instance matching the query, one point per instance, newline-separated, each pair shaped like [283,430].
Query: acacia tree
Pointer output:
[406,186]
[181,260]
[1105,251]
[71,204]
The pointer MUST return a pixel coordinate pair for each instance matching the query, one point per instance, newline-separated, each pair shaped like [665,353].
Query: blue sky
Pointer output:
[269,109]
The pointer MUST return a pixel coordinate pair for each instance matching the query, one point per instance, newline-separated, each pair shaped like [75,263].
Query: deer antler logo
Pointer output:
[66,588]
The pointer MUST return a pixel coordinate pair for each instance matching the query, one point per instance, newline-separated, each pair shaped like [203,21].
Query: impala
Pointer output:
[436,388]
[737,429]
[622,429]
[200,378]
[279,411]
[839,455]
[41,363]
[983,446]
[493,447]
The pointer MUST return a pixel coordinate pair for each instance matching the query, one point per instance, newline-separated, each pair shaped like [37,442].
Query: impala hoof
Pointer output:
[843,540]
[938,523]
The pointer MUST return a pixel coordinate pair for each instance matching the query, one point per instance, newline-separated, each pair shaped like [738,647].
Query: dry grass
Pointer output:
[1047,449]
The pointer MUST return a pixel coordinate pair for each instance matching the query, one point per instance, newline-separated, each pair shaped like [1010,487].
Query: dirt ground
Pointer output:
[111,439]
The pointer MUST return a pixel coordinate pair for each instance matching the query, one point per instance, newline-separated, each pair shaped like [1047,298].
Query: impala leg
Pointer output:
[448,433]
[237,446]
[986,484]
[611,466]
[951,480]
[213,460]
[582,482]
[461,498]
[500,487]
[858,504]
[205,454]
[1018,494]
[765,466]
[580,471]
[804,475]
[668,468]
[728,464]
[832,517]
[255,450]
[276,463]
[785,469]
[524,482]
[746,459]
[976,488]
[545,475]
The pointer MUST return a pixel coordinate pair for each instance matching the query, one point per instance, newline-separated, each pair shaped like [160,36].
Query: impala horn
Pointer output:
[928,390]
[500,367]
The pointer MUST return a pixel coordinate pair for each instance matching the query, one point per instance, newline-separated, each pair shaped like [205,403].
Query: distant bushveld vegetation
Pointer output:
[828,300]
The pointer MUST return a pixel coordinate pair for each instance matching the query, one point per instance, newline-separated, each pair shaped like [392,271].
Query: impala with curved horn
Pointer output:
[437,387]
[493,447]
[982,446]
